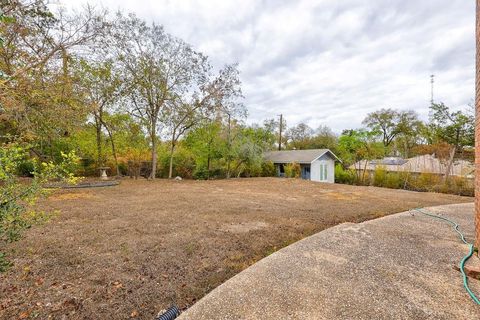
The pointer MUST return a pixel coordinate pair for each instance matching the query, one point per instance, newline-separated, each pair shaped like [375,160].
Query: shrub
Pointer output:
[87,167]
[252,170]
[425,181]
[292,170]
[456,185]
[26,168]
[268,169]
[201,173]
[344,175]
[380,177]
[393,180]
[17,198]
[123,168]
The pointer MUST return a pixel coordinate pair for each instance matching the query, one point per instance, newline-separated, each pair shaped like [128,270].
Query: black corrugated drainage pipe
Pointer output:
[170,314]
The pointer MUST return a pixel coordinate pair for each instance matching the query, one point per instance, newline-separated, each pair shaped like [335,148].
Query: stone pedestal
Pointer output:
[103,173]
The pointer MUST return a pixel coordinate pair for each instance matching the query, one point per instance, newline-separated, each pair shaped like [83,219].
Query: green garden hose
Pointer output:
[465,258]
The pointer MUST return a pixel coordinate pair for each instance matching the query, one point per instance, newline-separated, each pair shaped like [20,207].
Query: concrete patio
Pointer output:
[396,267]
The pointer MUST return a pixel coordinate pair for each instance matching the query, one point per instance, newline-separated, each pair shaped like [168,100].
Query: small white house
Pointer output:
[315,164]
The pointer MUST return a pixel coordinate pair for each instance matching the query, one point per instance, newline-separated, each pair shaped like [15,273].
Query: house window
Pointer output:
[323,172]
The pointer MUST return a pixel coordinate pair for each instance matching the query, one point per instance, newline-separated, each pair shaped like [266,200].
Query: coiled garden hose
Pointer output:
[465,258]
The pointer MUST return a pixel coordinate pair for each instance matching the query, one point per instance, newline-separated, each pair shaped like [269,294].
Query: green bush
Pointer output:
[380,177]
[426,182]
[268,169]
[292,170]
[17,198]
[393,180]
[87,167]
[183,163]
[345,176]
[123,168]
[26,168]
[201,173]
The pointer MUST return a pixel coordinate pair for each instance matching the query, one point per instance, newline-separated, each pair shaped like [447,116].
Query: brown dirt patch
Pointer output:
[134,249]
[70,196]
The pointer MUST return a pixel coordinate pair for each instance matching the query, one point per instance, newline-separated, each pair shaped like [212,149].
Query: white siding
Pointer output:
[327,161]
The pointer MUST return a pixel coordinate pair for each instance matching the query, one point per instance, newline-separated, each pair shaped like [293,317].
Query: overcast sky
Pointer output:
[328,62]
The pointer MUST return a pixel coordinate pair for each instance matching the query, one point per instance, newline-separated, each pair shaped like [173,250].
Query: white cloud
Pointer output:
[329,62]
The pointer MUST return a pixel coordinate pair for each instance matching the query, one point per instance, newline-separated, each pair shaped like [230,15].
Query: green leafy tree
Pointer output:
[248,150]
[391,124]
[99,84]
[299,136]
[360,144]
[36,86]
[207,145]
[324,138]
[273,126]
[457,128]
[158,69]
[213,97]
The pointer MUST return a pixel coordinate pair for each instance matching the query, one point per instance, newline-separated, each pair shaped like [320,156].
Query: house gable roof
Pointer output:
[298,156]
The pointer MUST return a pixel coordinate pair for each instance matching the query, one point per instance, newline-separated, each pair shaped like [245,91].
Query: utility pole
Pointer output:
[432,80]
[477,130]
[280,135]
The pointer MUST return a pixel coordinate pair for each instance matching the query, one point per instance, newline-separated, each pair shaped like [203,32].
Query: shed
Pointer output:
[315,164]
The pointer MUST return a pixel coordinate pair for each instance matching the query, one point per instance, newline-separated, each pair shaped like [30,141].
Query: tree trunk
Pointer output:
[229,147]
[477,130]
[450,164]
[114,150]
[208,161]
[153,138]
[98,129]
[170,169]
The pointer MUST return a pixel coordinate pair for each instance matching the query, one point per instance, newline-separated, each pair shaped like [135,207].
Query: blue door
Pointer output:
[306,172]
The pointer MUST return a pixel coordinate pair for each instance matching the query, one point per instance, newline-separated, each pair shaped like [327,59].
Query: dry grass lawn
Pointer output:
[134,249]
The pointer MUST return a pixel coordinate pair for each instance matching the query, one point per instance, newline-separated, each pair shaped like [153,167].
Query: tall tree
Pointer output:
[299,136]
[34,62]
[273,126]
[390,123]
[324,138]
[357,145]
[158,69]
[212,98]
[207,145]
[457,128]
[100,86]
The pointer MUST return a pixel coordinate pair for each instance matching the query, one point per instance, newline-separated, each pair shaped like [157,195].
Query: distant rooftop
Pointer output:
[390,161]
[298,156]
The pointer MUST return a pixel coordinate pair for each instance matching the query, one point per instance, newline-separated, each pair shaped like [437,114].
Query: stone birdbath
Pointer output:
[103,173]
